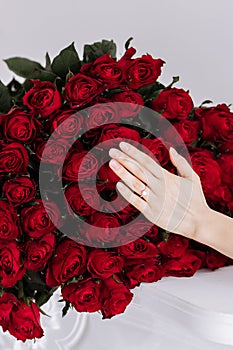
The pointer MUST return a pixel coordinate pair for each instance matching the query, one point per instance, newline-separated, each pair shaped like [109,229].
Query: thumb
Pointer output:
[181,164]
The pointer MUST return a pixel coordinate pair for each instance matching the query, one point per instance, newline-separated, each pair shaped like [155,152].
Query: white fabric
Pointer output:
[174,313]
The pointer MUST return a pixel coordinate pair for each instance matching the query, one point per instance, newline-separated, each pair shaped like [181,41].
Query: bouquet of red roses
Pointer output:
[62,223]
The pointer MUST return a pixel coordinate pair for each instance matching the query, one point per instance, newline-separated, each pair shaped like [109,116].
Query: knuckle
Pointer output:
[134,168]
[134,200]
[137,186]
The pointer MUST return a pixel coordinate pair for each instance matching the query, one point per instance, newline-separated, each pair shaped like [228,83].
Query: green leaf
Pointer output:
[194,143]
[5,99]
[29,69]
[174,80]
[205,102]
[65,308]
[150,92]
[20,289]
[67,61]
[116,279]
[43,75]
[43,312]
[47,62]
[23,66]
[16,91]
[128,43]
[165,235]
[97,49]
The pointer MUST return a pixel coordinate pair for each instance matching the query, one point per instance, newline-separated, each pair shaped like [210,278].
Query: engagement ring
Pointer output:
[144,192]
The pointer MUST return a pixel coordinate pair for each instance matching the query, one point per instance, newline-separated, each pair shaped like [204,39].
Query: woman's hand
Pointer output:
[175,203]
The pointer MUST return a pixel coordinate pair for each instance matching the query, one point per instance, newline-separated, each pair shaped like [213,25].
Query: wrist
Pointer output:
[204,222]
[215,230]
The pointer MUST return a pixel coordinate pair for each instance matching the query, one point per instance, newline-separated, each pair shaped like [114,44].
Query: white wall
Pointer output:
[193,37]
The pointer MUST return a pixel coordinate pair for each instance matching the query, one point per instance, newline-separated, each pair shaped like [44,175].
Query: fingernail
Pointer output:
[173,151]
[114,164]
[124,146]
[120,186]
[113,152]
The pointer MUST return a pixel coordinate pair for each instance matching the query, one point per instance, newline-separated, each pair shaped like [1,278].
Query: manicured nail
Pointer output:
[173,151]
[113,152]
[114,164]
[120,186]
[124,146]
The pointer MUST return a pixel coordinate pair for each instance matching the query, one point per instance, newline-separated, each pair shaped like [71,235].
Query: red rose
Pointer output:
[208,169]
[138,249]
[82,206]
[115,298]
[25,321]
[38,252]
[225,162]
[217,123]
[107,70]
[188,130]
[7,302]
[84,296]
[8,222]
[102,113]
[81,90]
[109,177]
[158,148]
[104,264]
[173,103]
[19,190]
[215,260]
[152,234]
[20,126]
[136,228]
[43,98]
[114,134]
[186,265]
[171,136]
[124,215]
[14,159]
[52,151]
[36,219]
[108,223]
[66,124]
[133,103]
[68,260]
[174,247]
[222,196]
[141,71]
[80,166]
[11,268]
[142,270]
[225,147]
[230,207]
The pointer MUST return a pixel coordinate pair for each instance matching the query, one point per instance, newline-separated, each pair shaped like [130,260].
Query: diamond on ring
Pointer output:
[144,192]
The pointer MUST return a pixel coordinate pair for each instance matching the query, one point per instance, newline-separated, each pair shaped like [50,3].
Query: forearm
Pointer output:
[216,230]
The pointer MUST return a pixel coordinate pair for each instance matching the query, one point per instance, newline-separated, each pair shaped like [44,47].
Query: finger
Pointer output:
[181,164]
[132,198]
[131,181]
[133,166]
[144,159]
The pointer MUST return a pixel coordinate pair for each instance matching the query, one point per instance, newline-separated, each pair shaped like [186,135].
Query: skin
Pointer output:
[174,203]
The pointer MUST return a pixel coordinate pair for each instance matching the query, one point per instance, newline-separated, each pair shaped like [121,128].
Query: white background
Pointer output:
[195,40]
[193,37]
